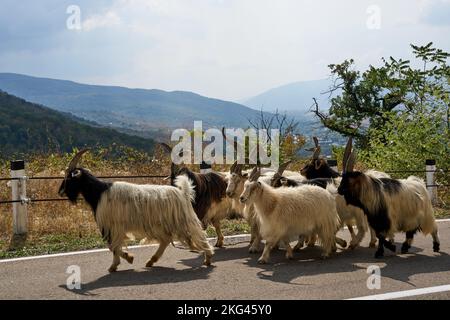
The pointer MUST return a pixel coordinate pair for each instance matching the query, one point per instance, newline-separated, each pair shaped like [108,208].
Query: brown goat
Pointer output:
[210,204]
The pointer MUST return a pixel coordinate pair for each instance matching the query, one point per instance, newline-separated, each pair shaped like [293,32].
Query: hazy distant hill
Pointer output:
[26,128]
[296,98]
[136,109]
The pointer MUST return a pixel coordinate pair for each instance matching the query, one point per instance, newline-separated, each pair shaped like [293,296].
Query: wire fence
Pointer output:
[30,200]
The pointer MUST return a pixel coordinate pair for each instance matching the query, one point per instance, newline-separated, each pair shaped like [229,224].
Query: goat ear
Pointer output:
[75,173]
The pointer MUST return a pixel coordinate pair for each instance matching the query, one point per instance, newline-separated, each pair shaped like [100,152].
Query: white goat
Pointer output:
[286,213]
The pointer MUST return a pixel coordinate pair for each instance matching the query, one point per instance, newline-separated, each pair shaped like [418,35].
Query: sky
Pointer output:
[227,49]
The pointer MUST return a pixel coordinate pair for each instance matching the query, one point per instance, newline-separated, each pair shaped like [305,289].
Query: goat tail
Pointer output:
[192,235]
[186,186]
[189,229]
[329,227]
[428,224]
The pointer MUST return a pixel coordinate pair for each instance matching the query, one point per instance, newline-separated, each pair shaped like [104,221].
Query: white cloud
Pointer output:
[222,48]
[108,19]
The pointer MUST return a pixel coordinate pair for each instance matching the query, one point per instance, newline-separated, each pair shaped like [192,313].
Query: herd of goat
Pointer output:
[280,206]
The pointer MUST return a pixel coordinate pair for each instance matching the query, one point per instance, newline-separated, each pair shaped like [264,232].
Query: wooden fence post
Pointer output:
[19,193]
[430,166]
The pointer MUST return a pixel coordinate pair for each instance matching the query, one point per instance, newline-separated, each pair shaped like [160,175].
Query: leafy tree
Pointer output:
[363,103]
[406,141]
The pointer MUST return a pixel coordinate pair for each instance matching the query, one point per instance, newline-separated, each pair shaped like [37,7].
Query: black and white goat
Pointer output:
[161,213]
[210,203]
[285,213]
[316,169]
[390,205]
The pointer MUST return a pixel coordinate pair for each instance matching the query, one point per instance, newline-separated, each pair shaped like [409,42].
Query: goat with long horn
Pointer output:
[155,212]
[390,205]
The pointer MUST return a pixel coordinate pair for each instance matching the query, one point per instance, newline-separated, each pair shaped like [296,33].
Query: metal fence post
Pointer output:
[19,193]
[333,164]
[430,166]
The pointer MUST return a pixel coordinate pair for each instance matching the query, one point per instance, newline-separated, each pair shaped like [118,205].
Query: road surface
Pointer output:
[237,275]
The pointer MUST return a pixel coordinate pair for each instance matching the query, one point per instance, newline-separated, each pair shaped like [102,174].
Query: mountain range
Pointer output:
[136,109]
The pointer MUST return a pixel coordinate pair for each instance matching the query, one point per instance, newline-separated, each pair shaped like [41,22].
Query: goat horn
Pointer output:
[283,167]
[316,153]
[174,169]
[316,141]
[73,164]
[347,153]
[166,147]
[226,138]
[233,167]
[255,174]
[350,163]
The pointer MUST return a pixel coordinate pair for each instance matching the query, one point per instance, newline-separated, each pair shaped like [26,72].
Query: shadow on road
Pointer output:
[308,262]
[154,275]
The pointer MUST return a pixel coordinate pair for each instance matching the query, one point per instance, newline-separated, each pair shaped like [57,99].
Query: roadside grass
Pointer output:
[60,243]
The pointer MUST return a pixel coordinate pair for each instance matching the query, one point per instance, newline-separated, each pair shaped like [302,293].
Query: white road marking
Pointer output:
[406,293]
[230,239]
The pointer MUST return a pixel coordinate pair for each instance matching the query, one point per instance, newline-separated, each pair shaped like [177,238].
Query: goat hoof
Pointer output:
[372,244]
[112,269]
[262,261]
[130,258]
[379,255]
[353,245]
[436,246]
[391,247]
[405,248]
[289,256]
[344,244]
[150,263]
[207,263]
[219,245]
[253,250]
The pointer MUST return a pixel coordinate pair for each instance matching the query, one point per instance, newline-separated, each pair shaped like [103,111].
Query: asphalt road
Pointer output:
[235,274]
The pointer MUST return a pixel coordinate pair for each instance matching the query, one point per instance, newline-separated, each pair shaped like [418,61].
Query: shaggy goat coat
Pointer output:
[406,202]
[286,213]
[390,206]
[161,213]
[234,189]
